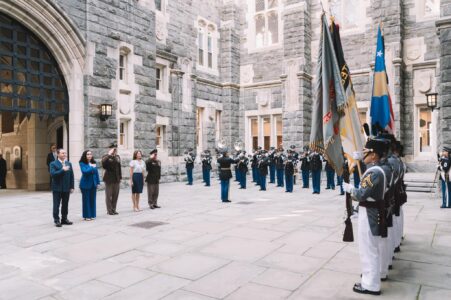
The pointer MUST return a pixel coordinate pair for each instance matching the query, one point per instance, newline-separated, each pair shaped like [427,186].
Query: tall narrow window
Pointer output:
[425,127]
[159,139]
[201,47]
[278,120]
[158,4]
[123,134]
[266,23]
[122,70]
[210,51]
[266,133]
[207,50]
[273,28]
[159,74]
[260,30]
[254,133]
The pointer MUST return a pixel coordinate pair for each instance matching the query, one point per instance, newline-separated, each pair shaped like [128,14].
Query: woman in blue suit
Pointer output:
[88,184]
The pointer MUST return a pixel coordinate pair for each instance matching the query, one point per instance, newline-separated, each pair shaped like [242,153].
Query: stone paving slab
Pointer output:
[224,281]
[185,295]
[91,290]
[20,288]
[280,246]
[126,276]
[190,266]
[281,279]
[257,291]
[155,287]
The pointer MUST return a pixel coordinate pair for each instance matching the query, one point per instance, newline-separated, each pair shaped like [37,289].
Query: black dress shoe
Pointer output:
[58,224]
[115,213]
[227,201]
[156,206]
[359,289]
[152,207]
[66,222]
[397,249]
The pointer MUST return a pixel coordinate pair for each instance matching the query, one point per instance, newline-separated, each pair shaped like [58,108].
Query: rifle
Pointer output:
[348,235]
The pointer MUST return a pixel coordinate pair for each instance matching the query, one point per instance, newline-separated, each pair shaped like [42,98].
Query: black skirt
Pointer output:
[138,183]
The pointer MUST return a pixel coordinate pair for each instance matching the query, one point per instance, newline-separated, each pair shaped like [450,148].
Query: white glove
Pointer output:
[348,187]
[357,155]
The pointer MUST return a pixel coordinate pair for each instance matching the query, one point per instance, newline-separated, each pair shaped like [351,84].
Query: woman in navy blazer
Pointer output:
[88,184]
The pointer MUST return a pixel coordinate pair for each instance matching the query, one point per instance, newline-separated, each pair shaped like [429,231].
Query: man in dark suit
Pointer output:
[62,186]
[3,171]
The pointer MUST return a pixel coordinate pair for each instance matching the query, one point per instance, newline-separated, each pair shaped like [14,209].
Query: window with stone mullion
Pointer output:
[210,51]
[266,23]
[158,77]
[201,47]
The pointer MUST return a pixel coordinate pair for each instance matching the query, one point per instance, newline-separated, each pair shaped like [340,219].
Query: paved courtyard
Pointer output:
[263,245]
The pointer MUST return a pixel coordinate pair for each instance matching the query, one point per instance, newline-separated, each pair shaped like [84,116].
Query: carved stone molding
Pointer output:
[247,74]
[263,97]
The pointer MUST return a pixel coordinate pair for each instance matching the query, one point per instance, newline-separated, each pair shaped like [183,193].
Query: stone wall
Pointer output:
[247,81]
[444,26]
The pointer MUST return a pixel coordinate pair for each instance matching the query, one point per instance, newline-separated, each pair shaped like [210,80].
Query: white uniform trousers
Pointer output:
[383,263]
[395,231]
[400,229]
[369,254]
[390,244]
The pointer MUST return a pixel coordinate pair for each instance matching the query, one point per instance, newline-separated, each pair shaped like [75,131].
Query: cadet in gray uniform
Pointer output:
[391,164]
[400,198]
[370,196]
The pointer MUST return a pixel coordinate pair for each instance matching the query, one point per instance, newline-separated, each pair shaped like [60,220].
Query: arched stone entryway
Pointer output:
[56,32]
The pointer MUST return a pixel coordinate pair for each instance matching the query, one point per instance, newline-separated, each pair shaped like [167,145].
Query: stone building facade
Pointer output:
[185,74]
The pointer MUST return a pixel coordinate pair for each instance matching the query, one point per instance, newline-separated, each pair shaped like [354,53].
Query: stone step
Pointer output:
[420,184]
[421,189]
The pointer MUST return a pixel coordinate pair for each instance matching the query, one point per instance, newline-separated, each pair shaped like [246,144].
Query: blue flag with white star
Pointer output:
[381,111]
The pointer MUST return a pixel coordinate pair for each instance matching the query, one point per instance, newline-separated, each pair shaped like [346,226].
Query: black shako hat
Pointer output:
[378,146]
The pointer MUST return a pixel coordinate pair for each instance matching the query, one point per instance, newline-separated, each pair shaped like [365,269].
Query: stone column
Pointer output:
[174,136]
[296,80]
[230,72]
[38,175]
[444,96]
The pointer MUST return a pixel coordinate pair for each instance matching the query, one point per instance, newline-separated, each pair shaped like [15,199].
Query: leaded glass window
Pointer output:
[30,79]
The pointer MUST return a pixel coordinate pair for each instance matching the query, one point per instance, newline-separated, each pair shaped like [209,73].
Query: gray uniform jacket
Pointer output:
[371,191]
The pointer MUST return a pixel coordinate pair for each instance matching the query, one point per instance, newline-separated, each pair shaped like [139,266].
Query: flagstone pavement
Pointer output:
[263,245]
